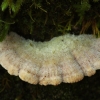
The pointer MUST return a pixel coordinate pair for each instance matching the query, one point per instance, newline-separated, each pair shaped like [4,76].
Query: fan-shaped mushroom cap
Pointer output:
[66,58]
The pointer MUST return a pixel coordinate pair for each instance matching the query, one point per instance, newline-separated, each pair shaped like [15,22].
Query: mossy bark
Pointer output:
[43,19]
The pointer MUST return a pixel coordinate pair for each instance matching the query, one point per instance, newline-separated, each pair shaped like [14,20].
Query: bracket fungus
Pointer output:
[66,58]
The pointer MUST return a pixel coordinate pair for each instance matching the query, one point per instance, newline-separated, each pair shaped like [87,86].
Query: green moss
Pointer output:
[44,19]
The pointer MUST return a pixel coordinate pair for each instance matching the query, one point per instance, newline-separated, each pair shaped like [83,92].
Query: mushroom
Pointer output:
[66,58]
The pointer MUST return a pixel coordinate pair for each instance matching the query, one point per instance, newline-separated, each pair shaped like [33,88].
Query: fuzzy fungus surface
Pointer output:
[66,58]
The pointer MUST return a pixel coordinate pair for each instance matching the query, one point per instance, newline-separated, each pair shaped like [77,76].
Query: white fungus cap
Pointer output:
[66,58]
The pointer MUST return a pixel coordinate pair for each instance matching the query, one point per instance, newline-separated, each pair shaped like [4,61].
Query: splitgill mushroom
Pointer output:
[66,58]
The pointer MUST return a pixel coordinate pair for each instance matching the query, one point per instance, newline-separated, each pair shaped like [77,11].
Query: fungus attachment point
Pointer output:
[51,62]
